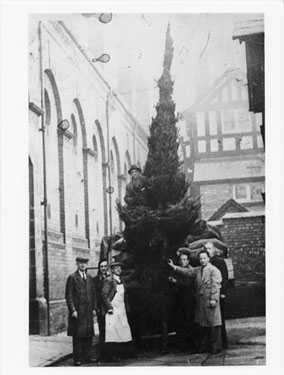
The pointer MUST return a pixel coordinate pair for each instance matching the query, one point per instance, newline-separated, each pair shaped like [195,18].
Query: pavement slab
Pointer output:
[246,347]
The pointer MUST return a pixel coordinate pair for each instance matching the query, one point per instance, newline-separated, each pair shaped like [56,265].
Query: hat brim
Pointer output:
[82,260]
[134,169]
[115,264]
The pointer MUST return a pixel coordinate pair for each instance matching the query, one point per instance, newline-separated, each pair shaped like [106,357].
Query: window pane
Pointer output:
[200,124]
[228,123]
[229,144]
[187,151]
[201,146]
[255,191]
[240,192]
[213,145]
[245,143]
[212,123]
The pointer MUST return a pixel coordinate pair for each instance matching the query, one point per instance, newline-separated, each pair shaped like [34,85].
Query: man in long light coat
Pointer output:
[208,314]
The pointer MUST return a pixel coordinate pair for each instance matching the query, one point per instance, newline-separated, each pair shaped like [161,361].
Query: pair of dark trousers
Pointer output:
[102,333]
[210,338]
[184,324]
[223,326]
[102,327]
[82,348]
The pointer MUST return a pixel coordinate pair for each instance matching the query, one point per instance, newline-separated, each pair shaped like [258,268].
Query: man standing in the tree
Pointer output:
[135,194]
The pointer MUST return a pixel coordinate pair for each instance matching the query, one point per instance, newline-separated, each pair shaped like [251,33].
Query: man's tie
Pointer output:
[84,277]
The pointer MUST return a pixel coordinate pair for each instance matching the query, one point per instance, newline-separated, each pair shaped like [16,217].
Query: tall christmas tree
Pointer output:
[161,227]
[168,184]
[154,232]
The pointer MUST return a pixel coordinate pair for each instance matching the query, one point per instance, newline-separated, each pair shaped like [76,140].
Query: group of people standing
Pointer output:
[103,297]
[200,295]
[204,288]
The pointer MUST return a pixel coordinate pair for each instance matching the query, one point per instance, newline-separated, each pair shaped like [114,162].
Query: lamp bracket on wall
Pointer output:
[110,190]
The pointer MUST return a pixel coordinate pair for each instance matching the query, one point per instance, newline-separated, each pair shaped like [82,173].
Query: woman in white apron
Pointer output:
[117,329]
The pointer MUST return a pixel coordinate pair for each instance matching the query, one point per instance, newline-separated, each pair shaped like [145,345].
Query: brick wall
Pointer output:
[244,233]
[213,197]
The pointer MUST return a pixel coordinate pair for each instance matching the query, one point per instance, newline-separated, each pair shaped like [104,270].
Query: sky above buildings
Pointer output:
[203,51]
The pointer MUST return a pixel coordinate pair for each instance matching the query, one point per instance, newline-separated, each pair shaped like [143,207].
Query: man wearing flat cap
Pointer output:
[118,338]
[81,301]
[135,194]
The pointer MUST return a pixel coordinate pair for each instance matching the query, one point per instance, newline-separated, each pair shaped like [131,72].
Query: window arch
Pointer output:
[95,146]
[56,185]
[82,168]
[47,108]
[74,129]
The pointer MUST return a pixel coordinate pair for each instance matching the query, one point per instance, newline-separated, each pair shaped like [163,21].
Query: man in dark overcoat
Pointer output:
[219,262]
[183,278]
[81,301]
[135,194]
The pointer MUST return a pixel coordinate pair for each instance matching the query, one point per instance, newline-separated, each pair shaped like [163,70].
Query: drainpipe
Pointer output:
[44,203]
[109,162]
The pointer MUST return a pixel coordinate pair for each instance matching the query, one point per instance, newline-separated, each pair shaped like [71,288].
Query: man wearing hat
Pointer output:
[81,301]
[183,279]
[135,194]
[219,262]
[117,330]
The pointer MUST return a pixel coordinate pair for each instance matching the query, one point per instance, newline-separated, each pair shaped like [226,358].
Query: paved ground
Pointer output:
[246,347]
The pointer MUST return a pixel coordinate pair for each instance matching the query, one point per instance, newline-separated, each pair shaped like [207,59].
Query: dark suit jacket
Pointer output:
[222,267]
[99,281]
[81,297]
[136,195]
[108,292]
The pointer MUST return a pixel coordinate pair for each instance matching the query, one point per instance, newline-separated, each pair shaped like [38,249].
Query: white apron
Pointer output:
[117,327]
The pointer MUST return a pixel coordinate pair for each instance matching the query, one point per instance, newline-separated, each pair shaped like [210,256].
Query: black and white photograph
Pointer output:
[145,188]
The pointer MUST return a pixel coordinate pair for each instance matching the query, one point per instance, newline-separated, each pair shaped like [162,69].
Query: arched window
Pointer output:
[95,147]
[47,108]
[111,162]
[74,130]
[55,155]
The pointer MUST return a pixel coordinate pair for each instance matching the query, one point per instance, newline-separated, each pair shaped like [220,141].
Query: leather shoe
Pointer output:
[77,363]
[114,359]
[91,360]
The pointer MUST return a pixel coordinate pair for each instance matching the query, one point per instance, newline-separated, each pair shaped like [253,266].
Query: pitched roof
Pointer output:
[230,206]
[212,91]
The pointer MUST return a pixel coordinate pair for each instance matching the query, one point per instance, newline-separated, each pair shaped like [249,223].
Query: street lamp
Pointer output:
[104,58]
[63,125]
[103,17]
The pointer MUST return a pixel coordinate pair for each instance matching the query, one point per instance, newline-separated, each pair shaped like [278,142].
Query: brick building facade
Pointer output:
[71,171]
